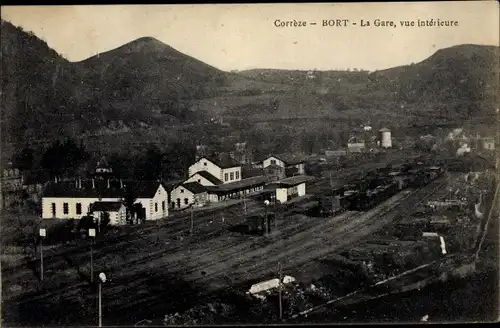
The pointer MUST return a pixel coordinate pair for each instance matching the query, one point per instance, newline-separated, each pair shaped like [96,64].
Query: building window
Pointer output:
[186,201]
[182,191]
[78,208]
[237,175]
[231,176]
[225,176]
[53,209]
[204,163]
[173,204]
[273,162]
[163,205]
[156,207]
[65,208]
[199,180]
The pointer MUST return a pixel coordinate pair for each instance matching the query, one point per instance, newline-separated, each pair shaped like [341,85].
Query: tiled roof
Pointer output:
[105,206]
[293,181]
[144,189]
[194,187]
[170,185]
[100,189]
[289,159]
[273,166]
[239,185]
[224,162]
[207,175]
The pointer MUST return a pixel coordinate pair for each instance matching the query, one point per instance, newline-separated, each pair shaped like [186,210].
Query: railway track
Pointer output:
[231,258]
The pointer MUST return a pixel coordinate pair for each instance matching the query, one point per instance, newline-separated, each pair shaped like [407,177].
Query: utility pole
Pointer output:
[92,237]
[42,235]
[331,190]
[266,231]
[102,279]
[191,225]
[280,292]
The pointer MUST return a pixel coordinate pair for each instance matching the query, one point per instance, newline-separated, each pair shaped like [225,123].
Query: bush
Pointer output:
[105,220]
[87,222]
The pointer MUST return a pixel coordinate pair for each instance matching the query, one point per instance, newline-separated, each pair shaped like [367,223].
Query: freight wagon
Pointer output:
[257,223]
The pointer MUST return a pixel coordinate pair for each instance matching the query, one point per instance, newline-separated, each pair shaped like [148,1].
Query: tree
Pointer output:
[87,222]
[150,166]
[129,201]
[105,220]
[24,160]
[64,157]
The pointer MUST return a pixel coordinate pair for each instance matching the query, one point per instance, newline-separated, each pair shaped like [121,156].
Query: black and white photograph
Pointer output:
[249,164]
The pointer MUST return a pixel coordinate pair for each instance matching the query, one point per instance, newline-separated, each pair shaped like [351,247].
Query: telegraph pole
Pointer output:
[92,237]
[279,292]
[266,204]
[42,235]
[191,226]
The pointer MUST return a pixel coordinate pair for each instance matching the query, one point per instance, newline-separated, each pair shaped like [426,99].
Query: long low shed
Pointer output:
[236,189]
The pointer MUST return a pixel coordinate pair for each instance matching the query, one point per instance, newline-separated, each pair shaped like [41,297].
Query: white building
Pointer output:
[385,138]
[488,144]
[292,165]
[227,170]
[72,199]
[290,188]
[356,145]
[116,211]
[187,194]
[204,178]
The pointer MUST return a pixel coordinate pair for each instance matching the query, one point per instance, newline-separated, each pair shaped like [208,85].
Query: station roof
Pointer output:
[294,181]
[105,206]
[99,189]
[238,185]
[210,177]
[194,187]
[224,162]
[288,159]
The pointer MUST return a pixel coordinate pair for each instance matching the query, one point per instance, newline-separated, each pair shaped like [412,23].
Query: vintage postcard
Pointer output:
[249,164]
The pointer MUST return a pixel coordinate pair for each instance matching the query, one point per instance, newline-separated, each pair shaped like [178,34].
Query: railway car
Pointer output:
[257,223]
[328,206]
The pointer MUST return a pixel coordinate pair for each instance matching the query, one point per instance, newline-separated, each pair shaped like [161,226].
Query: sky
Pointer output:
[238,37]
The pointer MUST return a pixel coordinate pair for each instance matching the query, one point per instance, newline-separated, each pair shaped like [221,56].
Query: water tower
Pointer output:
[385,138]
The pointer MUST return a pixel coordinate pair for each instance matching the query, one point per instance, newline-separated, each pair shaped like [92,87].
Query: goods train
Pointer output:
[376,187]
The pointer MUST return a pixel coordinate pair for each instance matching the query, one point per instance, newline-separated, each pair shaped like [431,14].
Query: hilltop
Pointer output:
[146,84]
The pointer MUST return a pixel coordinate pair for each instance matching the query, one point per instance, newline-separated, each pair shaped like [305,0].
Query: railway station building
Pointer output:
[238,189]
[290,188]
[291,165]
[187,194]
[224,168]
[72,199]
[116,211]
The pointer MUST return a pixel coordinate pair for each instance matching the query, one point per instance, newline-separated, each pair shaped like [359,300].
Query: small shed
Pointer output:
[292,187]
[116,211]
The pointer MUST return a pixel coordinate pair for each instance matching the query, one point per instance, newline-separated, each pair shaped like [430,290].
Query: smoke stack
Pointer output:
[121,183]
[108,183]
[76,183]
[93,183]
[80,183]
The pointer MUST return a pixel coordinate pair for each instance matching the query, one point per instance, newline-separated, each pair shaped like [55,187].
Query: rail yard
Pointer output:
[347,234]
